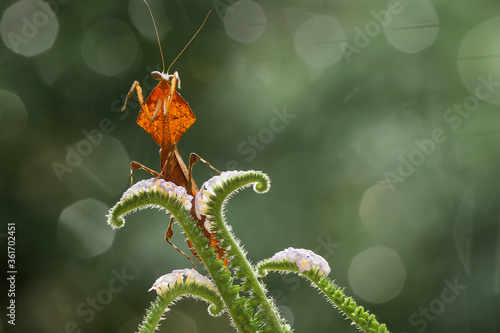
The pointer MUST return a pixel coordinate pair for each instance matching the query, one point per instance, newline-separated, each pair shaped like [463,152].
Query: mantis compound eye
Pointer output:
[156,75]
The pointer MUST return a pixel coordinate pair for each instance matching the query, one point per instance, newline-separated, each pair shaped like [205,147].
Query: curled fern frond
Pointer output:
[312,266]
[166,196]
[150,193]
[210,201]
[364,320]
[296,260]
[214,193]
[171,287]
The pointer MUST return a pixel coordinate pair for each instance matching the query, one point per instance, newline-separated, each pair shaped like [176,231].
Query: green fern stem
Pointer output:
[235,252]
[155,313]
[364,320]
[216,269]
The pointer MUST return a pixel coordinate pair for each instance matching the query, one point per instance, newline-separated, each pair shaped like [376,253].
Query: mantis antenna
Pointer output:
[205,20]
[159,43]
[157,36]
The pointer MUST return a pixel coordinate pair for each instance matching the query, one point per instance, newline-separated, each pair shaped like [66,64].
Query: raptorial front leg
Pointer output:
[137,88]
[175,83]
[178,79]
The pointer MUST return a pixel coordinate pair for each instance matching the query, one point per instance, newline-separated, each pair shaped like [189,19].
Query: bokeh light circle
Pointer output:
[254,65]
[82,229]
[382,212]
[13,115]
[139,14]
[245,21]
[109,47]
[479,61]
[29,27]
[414,28]
[377,274]
[318,41]
[98,162]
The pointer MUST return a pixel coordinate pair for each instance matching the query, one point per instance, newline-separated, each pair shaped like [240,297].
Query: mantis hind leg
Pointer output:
[138,166]
[168,236]
[193,158]
[169,233]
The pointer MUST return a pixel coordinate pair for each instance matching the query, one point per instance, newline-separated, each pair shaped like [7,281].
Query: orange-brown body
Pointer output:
[166,116]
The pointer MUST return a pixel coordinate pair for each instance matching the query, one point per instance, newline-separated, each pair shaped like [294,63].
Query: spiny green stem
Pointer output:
[215,267]
[159,306]
[365,321]
[215,215]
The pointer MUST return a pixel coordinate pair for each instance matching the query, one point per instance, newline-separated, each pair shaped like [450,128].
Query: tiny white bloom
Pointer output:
[304,259]
[187,272]
[170,279]
[208,189]
[163,283]
[201,201]
[303,265]
[209,226]
[160,185]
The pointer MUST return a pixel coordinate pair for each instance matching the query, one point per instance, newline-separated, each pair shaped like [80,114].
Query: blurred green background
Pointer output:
[378,123]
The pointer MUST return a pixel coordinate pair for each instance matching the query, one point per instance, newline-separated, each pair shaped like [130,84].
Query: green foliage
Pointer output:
[145,199]
[160,305]
[239,290]
[335,294]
